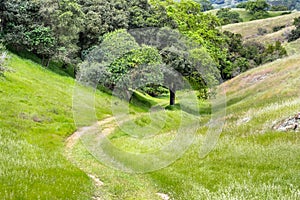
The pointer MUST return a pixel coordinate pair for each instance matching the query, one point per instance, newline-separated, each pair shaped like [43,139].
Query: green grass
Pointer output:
[35,118]
[250,161]
[293,47]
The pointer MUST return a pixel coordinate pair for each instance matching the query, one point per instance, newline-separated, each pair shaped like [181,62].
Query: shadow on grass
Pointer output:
[54,66]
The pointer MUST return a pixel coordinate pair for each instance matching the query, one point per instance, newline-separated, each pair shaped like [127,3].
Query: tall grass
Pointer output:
[35,118]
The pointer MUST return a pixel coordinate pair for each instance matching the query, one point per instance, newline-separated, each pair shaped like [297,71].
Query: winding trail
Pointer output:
[108,126]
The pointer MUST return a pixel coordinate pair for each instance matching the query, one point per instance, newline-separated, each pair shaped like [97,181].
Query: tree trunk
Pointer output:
[43,60]
[172,98]
[172,90]
[48,63]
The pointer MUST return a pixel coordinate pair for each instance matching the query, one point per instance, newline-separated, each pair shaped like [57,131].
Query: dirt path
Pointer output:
[72,140]
[108,125]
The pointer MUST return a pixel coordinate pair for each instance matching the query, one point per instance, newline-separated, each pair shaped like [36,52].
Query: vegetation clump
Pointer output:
[3,60]
[295,34]
[228,17]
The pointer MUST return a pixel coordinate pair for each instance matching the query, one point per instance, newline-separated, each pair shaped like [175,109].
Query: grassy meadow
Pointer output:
[250,160]
[35,119]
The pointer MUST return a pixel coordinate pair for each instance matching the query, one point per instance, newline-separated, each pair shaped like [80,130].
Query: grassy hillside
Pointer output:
[245,15]
[35,118]
[249,30]
[251,161]
[293,47]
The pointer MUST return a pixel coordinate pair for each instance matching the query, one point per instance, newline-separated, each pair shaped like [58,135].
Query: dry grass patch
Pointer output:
[250,29]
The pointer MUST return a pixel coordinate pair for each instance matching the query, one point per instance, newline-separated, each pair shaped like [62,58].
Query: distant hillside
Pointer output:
[245,15]
[291,4]
[250,30]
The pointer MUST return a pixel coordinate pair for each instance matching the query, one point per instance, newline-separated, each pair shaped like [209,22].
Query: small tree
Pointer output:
[258,6]
[228,17]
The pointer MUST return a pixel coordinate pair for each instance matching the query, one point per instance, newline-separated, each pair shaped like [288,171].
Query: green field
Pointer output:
[250,161]
[35,119]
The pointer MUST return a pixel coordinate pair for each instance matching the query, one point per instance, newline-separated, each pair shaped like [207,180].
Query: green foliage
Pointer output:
[295,34]
[228,17]
[246,55]
[65,18]
[278,28]
[106,16]
[199,27]
[143,59]
[273,52]
[242,5]
[260,15]
[205,5]
[279,8]
[257,7]
[18,18]
[94,68]
[41,41]
[112,66]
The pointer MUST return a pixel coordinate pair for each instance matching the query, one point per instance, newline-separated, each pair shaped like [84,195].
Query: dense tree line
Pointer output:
[63,30]
[68,30]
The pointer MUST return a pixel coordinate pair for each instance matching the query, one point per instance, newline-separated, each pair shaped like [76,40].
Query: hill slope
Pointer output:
[249,30]
[251,160]
[35,118]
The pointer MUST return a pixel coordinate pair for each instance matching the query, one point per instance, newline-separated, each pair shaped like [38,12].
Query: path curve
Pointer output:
[74,138]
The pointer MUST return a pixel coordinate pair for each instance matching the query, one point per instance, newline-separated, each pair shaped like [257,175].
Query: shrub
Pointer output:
[242,5]
[279,8]
[3,60]
[278,28]
[273,52]
[228,17]
[295,34]
[260,15]
[262,31]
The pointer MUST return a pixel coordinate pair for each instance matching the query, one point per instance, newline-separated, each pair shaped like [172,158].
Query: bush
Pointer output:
[286,13]
[273,52]
[262,31]
[278,28]
[228,17]
[260,15]
[279,8]
[3,60]
[155,90]
[257,7]
[242,5]
[295,34]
